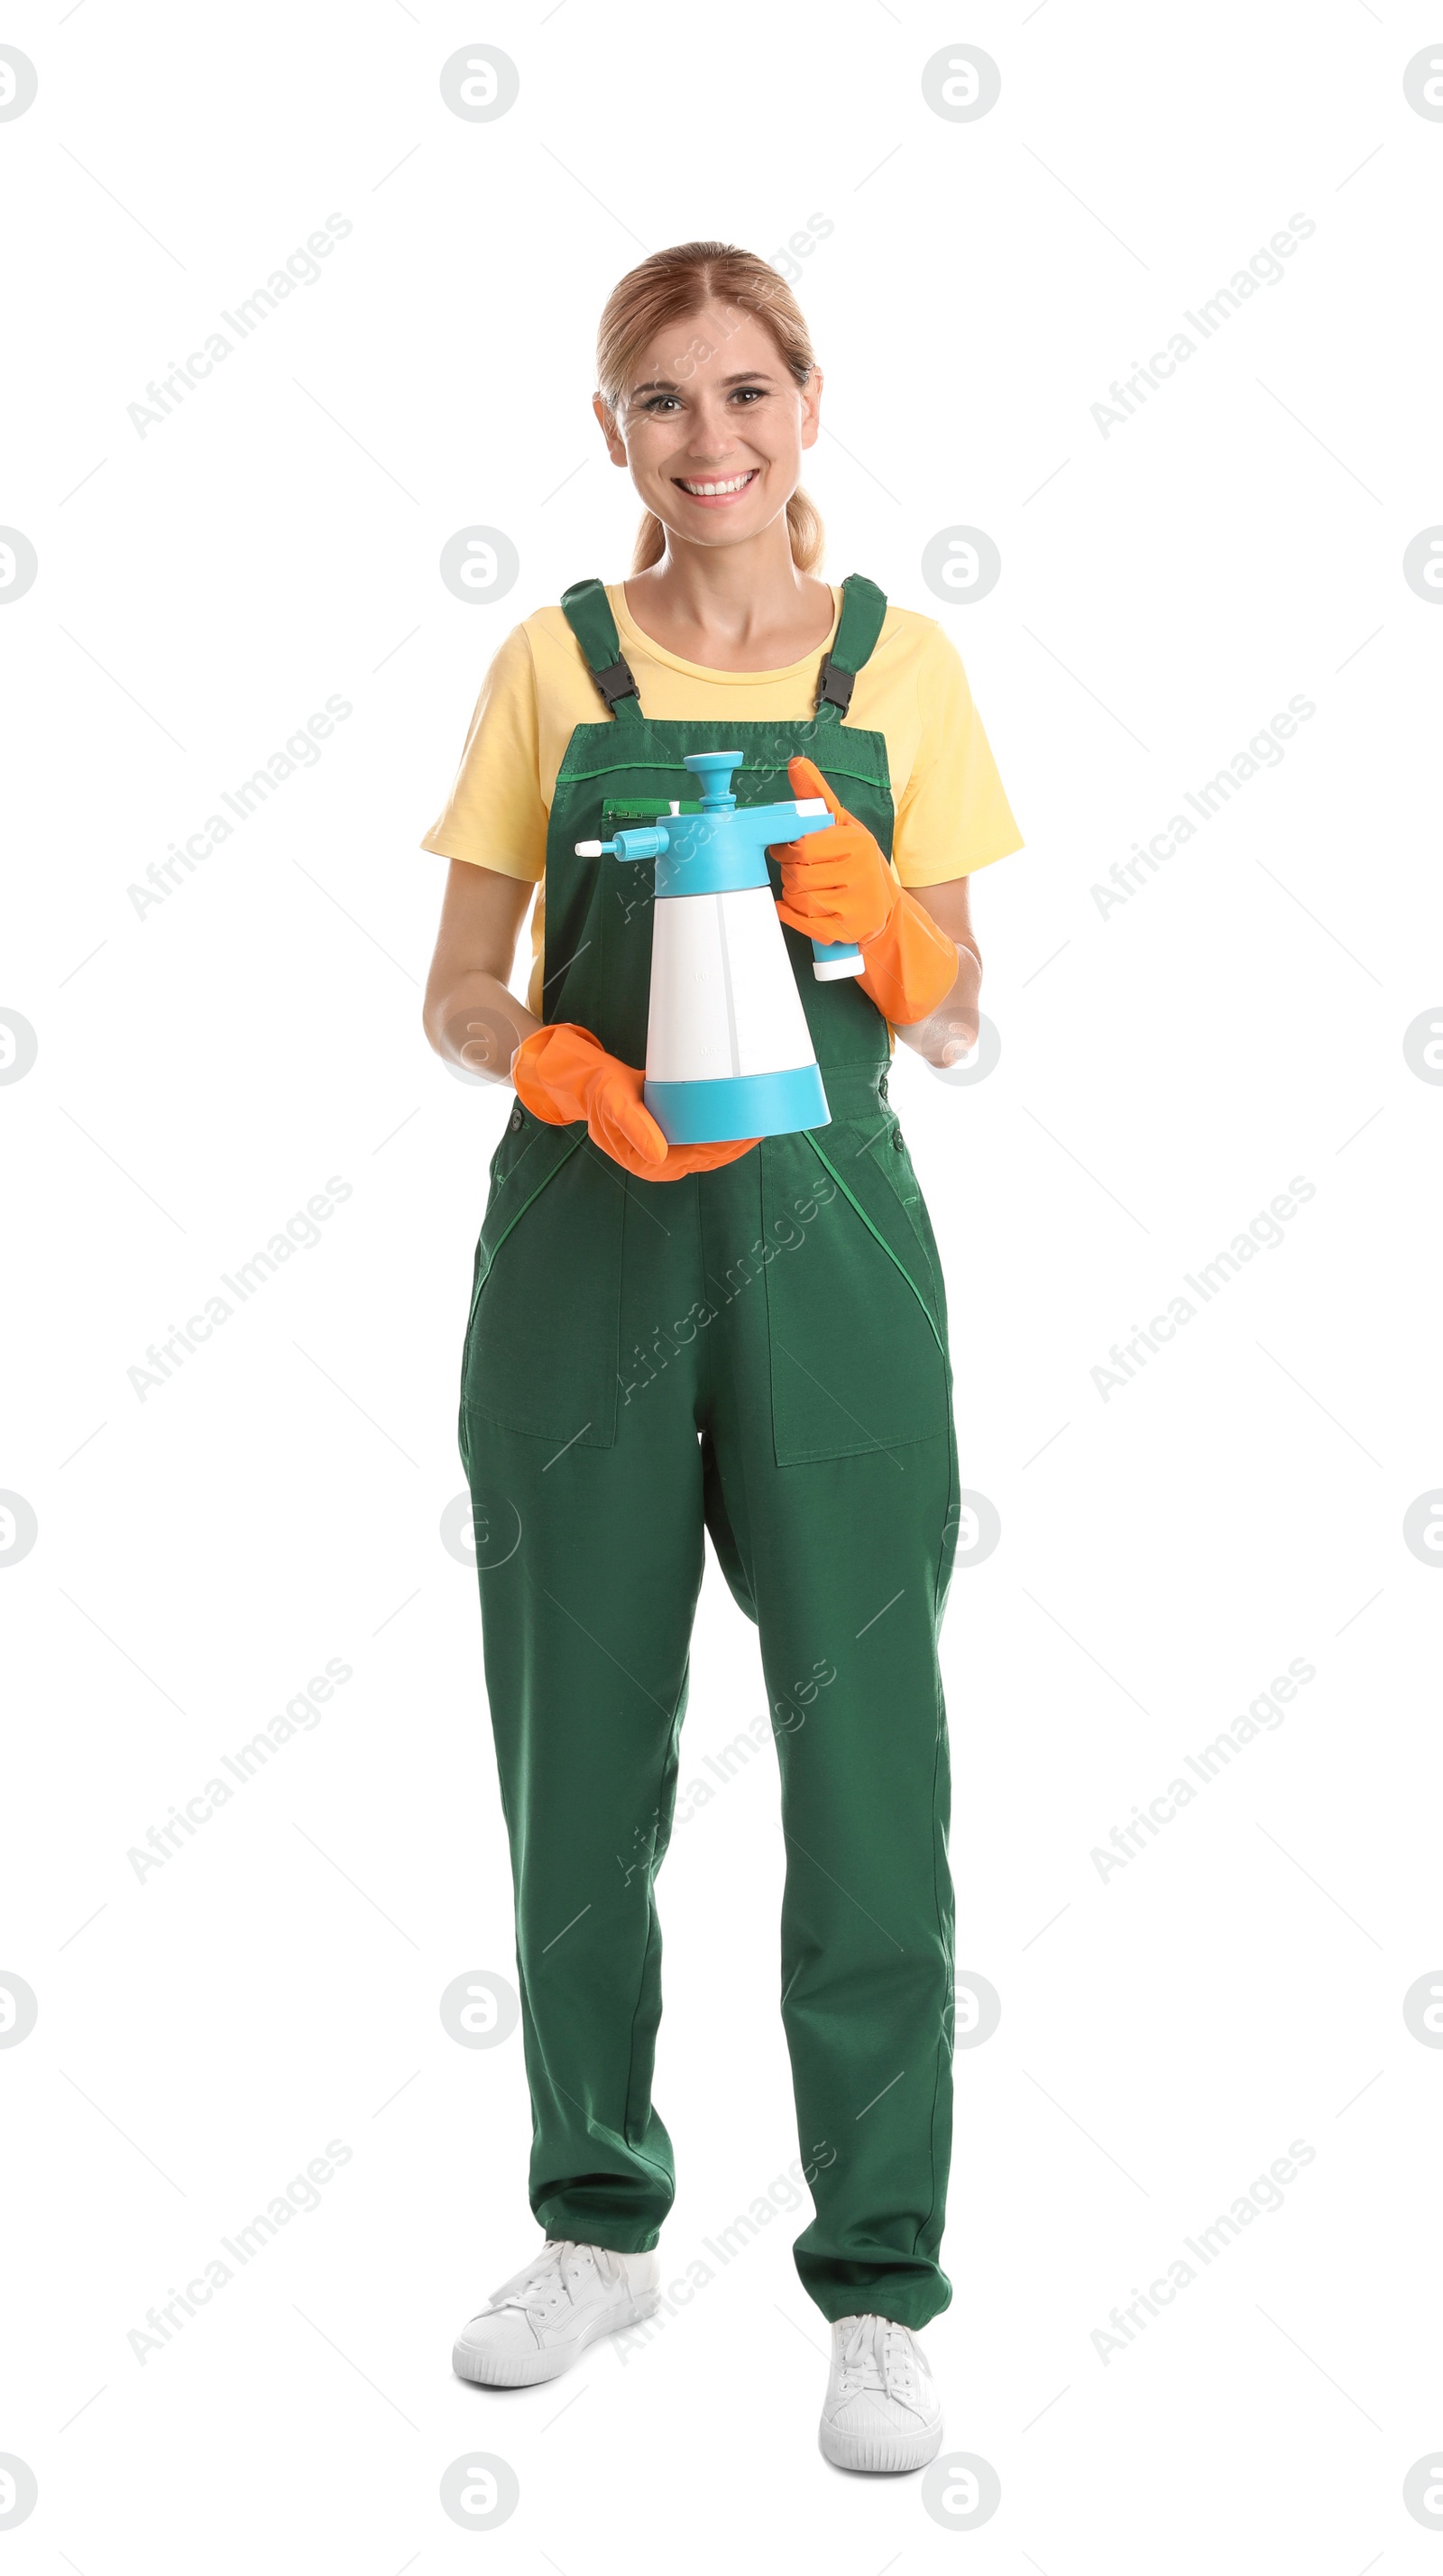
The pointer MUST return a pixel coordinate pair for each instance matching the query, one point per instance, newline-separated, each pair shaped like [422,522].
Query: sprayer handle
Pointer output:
[831,965]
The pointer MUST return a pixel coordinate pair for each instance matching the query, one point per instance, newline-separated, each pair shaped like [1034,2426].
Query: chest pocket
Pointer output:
[855,1311]
[542,1340]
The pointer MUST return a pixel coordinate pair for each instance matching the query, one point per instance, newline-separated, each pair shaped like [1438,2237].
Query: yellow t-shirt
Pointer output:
[951,815]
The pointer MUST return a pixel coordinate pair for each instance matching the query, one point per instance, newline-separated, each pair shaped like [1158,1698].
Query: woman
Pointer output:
[743,1338]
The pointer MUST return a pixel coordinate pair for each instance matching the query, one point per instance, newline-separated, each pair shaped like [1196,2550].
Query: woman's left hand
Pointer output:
[836,884]
[837,888]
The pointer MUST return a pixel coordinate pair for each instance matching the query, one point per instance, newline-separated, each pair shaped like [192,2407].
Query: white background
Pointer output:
[1166,1069]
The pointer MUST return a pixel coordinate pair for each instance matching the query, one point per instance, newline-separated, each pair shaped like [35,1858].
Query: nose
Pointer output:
[713,433]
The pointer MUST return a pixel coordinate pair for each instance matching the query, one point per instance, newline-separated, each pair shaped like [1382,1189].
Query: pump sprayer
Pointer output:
[728,1050]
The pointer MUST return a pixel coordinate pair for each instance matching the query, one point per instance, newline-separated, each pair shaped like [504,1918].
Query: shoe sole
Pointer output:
[874,2451]
[518,2371]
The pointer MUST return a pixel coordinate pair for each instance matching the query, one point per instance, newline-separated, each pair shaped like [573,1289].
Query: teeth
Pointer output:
[705,490]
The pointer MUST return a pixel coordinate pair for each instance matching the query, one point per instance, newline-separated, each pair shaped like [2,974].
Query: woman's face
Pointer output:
[712,427]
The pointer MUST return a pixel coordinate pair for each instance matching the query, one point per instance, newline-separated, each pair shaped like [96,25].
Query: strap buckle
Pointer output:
[616,682]
[834,685]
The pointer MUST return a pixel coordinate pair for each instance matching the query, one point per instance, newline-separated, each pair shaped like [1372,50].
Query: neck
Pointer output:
[739,592]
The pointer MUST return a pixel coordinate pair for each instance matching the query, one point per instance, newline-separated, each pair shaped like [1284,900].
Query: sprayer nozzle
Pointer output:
[592,849]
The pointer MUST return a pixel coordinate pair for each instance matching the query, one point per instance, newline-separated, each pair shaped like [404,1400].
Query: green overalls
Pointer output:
[758,1351]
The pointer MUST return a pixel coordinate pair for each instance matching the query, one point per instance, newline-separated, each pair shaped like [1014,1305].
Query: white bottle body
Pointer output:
[724,1000]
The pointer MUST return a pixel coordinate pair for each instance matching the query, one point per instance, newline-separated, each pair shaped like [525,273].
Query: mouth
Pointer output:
[716,492]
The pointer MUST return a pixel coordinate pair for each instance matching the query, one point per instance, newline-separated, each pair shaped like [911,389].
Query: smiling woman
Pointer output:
[726,303]
[625,1398]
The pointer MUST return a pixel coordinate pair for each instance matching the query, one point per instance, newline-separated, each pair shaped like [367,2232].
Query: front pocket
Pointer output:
[542,1341]
[857,1334]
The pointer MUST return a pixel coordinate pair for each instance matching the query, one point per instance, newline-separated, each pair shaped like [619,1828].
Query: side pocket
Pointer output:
[857,1353]
[895,1162]
[542,1338]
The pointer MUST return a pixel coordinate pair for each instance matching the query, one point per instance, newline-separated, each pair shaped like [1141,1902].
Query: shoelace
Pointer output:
[541,2286]
[879,2358]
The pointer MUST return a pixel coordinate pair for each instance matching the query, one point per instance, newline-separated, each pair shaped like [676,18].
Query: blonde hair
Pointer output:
[672,286]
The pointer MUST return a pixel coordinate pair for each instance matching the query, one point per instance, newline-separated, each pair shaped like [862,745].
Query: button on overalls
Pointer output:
[758,1351]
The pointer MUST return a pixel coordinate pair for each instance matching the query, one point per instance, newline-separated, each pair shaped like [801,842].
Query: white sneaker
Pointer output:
[541,2320]
[882,2411]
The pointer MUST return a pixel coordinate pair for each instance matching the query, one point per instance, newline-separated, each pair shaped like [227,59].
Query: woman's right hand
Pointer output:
[562,1073]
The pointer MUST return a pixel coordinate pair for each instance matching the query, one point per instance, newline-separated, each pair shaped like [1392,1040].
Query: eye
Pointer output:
[749,394]
[654,402]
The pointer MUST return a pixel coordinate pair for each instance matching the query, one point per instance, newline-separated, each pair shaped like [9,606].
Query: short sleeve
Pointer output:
[952,815]
[495,816]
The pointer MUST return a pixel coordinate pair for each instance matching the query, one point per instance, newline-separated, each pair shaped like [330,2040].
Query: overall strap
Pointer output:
[588,613]
[863,608]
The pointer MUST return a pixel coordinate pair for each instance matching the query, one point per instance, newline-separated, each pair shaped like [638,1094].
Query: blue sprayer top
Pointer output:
[722,849]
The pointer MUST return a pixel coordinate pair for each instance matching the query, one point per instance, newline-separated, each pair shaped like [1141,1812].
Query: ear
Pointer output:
[614,446]
[812,408]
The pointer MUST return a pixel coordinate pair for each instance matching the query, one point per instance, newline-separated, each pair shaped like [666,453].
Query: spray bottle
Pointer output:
[728,1050]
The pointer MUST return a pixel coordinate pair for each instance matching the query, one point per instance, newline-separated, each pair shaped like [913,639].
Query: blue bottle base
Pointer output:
[737,1105]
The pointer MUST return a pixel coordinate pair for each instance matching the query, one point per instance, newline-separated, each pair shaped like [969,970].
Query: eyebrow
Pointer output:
[669,385]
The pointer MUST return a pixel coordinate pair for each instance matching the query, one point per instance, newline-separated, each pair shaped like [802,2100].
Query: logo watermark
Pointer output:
[164,395]
[1125,2324]
[1423,565]
[1263,751]
[479,2490]
[19,82]
[1423,1528]
[1264,269]
[19,1046]
[799,246]
[19,1528]
[1265,1714]
[975,1064]
[1423,83]
[962,2491]
[1263,1233]
[783,2194]
[480,83]
[961,83]
[1423,2008]
[961,565]
[19,2009]
[19,2492]
[1423,2485]
[480,2009]
[19,564]
[302,2195]
[789,1237]
[300,1233]
[301,1715]
[479,565]
[977,2009]
[301,750]
[1422,1046]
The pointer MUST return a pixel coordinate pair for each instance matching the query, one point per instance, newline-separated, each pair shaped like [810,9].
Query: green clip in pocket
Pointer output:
[642,809]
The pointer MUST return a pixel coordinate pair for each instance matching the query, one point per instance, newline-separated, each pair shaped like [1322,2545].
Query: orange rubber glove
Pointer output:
[562,1073]
[837,886]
